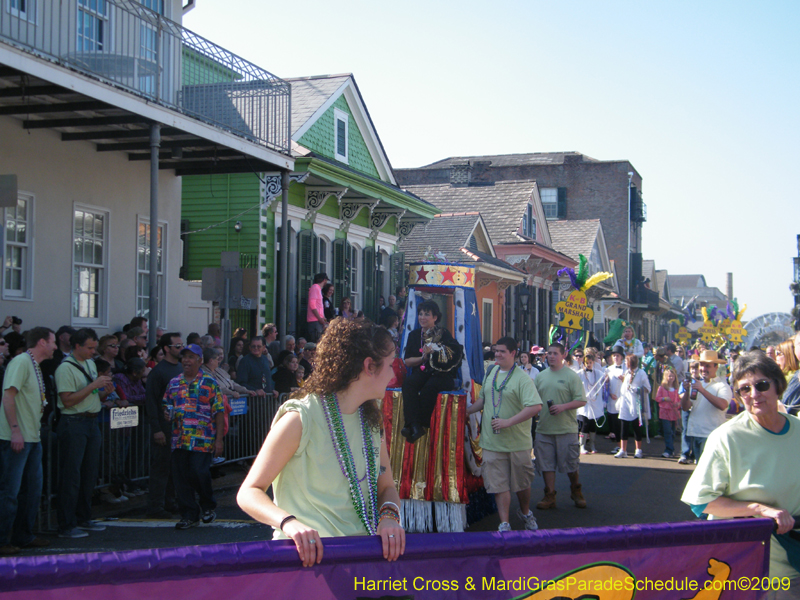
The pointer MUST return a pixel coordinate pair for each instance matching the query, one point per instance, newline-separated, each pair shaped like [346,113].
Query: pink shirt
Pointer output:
[314,301]
[668,404]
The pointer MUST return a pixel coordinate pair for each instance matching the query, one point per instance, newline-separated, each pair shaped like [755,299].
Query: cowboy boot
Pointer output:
[549,500]
[577,495]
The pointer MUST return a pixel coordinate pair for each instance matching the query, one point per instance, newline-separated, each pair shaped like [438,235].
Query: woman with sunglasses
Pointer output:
[325,455]
[108,350]
[743,471]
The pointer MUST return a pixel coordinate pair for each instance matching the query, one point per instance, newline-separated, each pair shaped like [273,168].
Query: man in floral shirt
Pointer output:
[194,405]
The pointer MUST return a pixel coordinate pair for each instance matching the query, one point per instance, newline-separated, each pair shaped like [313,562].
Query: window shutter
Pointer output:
[562,203]
[306,253]
[398,275]
[370,299]
[340,288]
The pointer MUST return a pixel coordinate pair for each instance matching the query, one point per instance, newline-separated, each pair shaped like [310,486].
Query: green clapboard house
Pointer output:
[346,212]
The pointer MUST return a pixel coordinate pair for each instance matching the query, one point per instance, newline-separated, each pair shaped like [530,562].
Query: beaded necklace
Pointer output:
[39,379]
[497,403]
[333,416]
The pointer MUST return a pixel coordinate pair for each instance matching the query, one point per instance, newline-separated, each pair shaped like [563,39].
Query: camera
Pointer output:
[16,320]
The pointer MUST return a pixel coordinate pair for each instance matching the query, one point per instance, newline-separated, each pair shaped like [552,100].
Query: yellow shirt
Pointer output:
[311,486]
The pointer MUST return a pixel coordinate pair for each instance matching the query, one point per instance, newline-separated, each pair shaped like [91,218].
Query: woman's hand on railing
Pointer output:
[306,540]
[393,539]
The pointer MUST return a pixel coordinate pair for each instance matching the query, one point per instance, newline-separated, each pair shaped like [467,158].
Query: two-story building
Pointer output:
[103,107]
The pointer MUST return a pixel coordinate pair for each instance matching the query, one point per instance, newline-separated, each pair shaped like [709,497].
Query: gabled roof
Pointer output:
[313,96]
[574,237]
[649,272]
[446,233]
[501,205]
[685,282]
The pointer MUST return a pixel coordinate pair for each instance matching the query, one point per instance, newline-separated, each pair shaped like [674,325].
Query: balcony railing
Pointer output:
[125,44]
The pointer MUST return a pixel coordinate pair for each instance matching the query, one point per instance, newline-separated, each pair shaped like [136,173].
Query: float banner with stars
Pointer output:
[705,560]
[441,274]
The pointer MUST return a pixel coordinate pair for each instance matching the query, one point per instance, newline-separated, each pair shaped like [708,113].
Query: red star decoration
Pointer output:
[468,274]
[447,275]
[422,275]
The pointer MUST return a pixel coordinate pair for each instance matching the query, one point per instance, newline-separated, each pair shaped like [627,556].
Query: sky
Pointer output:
[701,97]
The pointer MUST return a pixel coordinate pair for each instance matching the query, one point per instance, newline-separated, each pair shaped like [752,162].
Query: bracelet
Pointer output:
[397,508]
[392,516]
[286,520]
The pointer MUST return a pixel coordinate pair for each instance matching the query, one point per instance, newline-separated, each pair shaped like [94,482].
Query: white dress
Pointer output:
[629,396]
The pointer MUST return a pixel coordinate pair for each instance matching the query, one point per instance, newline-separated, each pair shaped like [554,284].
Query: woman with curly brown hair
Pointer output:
[333,425]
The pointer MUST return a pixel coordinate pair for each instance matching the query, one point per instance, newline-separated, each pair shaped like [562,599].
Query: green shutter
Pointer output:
[370,298]
[340,279]
[306,261]
[562,203]
[398,275]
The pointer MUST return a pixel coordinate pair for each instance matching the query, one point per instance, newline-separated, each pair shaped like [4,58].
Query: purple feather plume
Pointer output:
[572,278]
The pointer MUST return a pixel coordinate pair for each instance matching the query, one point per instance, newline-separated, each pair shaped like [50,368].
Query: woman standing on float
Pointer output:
[326,453]
[629,343]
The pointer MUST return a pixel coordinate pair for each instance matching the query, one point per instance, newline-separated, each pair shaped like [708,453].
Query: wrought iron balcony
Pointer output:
[124,44]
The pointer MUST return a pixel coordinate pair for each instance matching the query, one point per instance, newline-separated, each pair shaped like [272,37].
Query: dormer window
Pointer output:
[340,122]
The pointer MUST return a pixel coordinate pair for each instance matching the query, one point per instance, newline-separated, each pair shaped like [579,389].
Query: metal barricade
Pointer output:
[247,432]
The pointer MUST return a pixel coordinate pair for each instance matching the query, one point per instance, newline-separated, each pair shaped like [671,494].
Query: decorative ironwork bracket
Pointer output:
[406,225]
[270,188]
[316,197]
[349,209]
[380,216]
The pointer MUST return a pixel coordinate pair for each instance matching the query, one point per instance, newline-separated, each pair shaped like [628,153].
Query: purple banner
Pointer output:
[698,560]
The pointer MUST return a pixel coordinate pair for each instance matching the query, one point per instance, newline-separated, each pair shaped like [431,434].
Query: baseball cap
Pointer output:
[193,348]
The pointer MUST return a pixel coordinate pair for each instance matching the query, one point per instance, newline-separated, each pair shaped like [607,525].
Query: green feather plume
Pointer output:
[583,271]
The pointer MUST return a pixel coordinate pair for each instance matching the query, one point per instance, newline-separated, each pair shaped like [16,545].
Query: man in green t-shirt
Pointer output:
[557,445]
[80,396]
[20,444]
[506,432]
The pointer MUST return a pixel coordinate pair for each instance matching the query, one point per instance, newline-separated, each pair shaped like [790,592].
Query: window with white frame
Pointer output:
[143,271]
[487,314]
[529,223]
[89,266]
[322,259]
[24,9]
[549,198]
[354,255]
[340,133]
[18,264]
[92,25]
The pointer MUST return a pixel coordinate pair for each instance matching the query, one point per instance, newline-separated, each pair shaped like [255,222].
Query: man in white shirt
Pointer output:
[710,405]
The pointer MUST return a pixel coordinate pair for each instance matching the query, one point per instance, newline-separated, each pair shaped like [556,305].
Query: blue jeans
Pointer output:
[20,491]
[686,447]
[79,446]
[668,429]
[698,444]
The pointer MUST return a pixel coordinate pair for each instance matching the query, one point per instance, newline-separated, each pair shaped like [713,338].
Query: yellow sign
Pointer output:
[683,335]
[574,309]
[708,332]
[736,331]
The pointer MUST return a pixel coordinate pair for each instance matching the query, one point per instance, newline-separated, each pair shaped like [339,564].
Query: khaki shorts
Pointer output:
[557,452]
[507,471]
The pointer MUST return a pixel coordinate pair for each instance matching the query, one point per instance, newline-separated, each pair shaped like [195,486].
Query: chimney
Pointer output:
[460,174]
[729,288]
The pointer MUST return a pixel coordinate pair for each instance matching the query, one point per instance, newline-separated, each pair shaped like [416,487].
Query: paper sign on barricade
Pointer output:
[124,417]
[238,405]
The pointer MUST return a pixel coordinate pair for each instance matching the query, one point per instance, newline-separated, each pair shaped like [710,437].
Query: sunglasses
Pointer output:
[175,346]
[761,386]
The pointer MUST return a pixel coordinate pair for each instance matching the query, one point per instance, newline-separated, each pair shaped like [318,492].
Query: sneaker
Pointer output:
[683,460]
[666,455]
[638,454]
[529,520]
[585,451]
[91,526]
[112,499]
[616,449]
[209,516]
[621,454]
[504,527]
[218,460]
[73,534]
[186,524]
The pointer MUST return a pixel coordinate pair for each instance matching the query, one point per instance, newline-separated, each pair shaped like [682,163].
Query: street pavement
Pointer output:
[618,491]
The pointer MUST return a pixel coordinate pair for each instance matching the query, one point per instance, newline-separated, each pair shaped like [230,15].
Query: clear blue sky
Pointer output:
[701,97]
